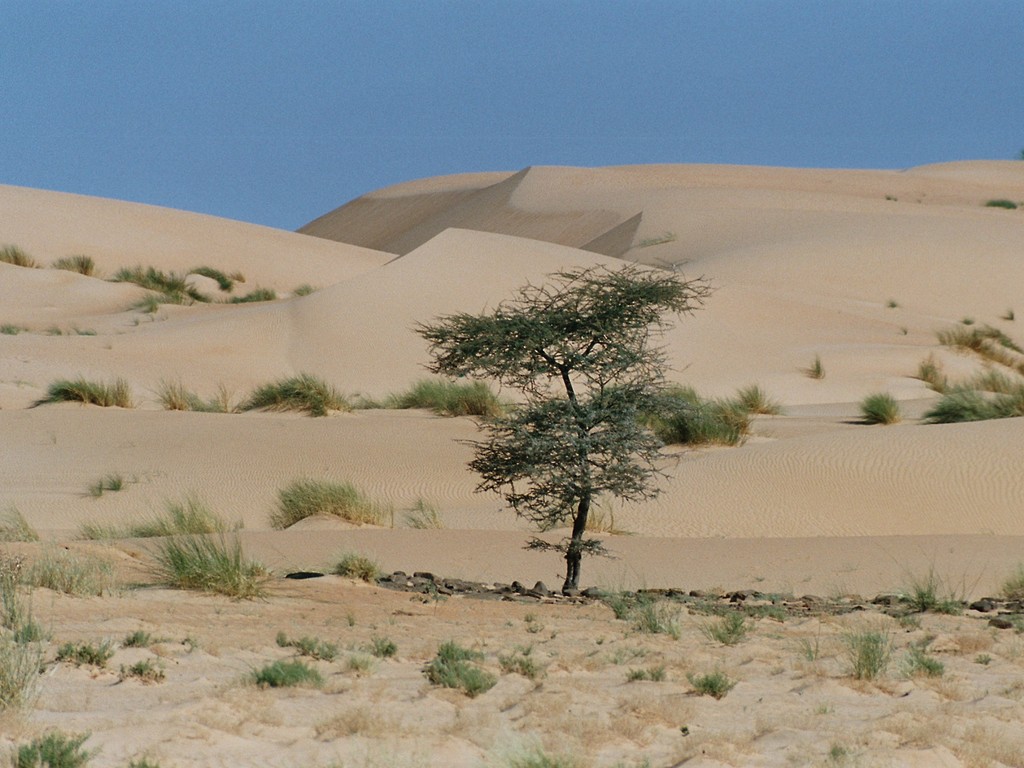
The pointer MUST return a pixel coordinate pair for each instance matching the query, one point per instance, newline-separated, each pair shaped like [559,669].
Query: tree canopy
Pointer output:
[580,348]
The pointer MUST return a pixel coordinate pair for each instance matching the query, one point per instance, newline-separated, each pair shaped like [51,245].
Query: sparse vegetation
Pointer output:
[646,615]
[169,288]
[53,750]
[1001,203]
[536,757]
[311,647]
[382,647]
[145,671]
[303,290]
[816,370]
[174,396]
[930,372]
[450,398]
[1013,587]
[925,593]
[962,404]
[521,662]
[880,408]
[12,254]
[653,674]
[754,400]
[137,639]
[451,668]
[117,393]
[729,629]
[260,294]
[305,393]
[21,655]
[14,526]
[9,329]
[918,663]
[716,684]
[356,566]
[224,282]
[287,674]
[422,515]
[86,653]
[210,564]
[868,653]
[305,498]
[73,573]
[188,517]
[83,265]
[684,417]
[110,482]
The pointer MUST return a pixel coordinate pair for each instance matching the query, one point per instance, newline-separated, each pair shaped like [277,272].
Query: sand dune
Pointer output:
[858,269]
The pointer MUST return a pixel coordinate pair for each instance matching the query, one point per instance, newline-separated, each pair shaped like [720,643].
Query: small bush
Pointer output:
[684,417]
[287,674]
[961,404]
[450,668]
[919,664]
[12,254]
[868,653]
[754,400]
[656,619]
[145,671]
[174,396]
[305,498]
[14,527]
[71,573]
[211,564]
[309,646]
[305,393]
[423,515]
[224,282]
[188,517]
[653,674]
[521,662]
[382,647]
[715,684]
[117,394]
[730,629]
[260,294]
[303,290]
[924,594]
[816,370]
[1002,203]
[53,750]
[1013,587]
[984,340]
[9,329]
[450,398]
[137,639]
[880,408]
[356,566]
[83,265]
[20,665]
[170,288]
[86,653]
[112,482]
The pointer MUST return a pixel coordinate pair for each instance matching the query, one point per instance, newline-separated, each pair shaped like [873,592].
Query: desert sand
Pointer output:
[858,269]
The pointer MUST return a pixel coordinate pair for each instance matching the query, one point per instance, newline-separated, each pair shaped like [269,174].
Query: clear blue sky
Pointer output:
[276,111]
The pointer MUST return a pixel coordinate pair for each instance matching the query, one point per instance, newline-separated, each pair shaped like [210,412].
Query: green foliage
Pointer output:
[588,331]
[816,370]
[1013,587]
[423,515]
[653,674]
[925,593]
[72,573]
[309,646]
[382,647]
[9,329]
[86,653]
[190,516]
[20,665]
[287,674]
[450,398]
[451,668]
[521,662]
[14,526]
[137,639]
[303,290]
[305,498]
[83,265]
[174,396]
[930,372]
[729,629]
[356,566]
[12,254]
[961,404]
[754,400]
[117,394]
[684,417]
[170,288]
[984,340]
[146,671]
[919,663]
[210,564]
[111,482]
[1002,203]
[305,393]
[715,684]
[868,653]
[53,750]
[260,294]
[880,408]
[224,282]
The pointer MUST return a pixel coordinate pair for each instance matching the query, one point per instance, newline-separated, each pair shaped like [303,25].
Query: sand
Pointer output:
[859,269]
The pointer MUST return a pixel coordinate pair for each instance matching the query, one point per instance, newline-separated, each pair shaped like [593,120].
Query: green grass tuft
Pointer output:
[356,566]
[303,290]
[137,639]
[170,288]
[14,527]
[1002,203]
[450,398]
[880,408]
[83,265]
[687,418]
[80,654]
[145,671]
[930,372]
[730,629]
[451,668]
[653,674]
[287,674]
[961,404]
[423,515]
[716,684]
[868,653]
[754,400]
[211,564]
[224,282]
[72,573]
[117,394]
[260,294]
[53,750]
[111,482]
[816,370]
[304,392]
[305,498]
[9,329]
[174,396]
[12,254]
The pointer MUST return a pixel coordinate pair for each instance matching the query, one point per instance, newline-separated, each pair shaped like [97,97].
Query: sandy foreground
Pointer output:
[859,269]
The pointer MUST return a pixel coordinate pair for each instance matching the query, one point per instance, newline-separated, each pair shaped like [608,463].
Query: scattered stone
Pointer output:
[540,589]
[303,575]
[423,575]
[1000,623]
[985,605]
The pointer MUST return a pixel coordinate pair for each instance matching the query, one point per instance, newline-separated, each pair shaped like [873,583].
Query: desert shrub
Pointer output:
[137,639]
[382,647]
[1013,587]
[20,665]
[174,396]
[12,254]
[729,629]
[918,663]
[145,671]
[521,662]
[684,417]
[926,593]
[71,573]
[260,294]
[715,684]
[53,750]
[653,674]
[190,516]
[110,482]
[305,498]
[422,515]
[1001,203]
[651,617]
[303,290]
[816,370]
[86,653]
[117,393]
[14,526]
[450,398]
[997,382]
[224,282]
[9,329]
[83,265]
[451,668]
[961,404]
[210,564]
[169,287]
[880,408]
[309,646]
[287,674]
[304,392]
[868,653]
[356,566]
[754,400]
[982,339]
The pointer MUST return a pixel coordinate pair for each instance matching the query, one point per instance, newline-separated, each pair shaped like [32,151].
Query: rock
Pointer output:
[424,575]
[571,592]
[517,587]
[889,600]
[303,575]
[594,592]
[541,589]
[1000,623]
[985,605]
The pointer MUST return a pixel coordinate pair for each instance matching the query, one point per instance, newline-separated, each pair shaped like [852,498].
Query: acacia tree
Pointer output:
[580,350]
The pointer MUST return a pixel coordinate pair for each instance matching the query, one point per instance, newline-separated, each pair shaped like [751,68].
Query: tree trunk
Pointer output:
[574,552]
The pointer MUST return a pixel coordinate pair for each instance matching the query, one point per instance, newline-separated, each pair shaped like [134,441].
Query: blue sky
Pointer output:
[276,111]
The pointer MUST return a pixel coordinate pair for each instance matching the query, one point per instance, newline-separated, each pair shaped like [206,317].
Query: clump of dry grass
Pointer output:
[306,497]
[14,526]
[210,564]
[422,515]
[305,393]
[73,573]
[450,398]
[12,254]
[880,408]
[174,396]
[117,393]
[83,265]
